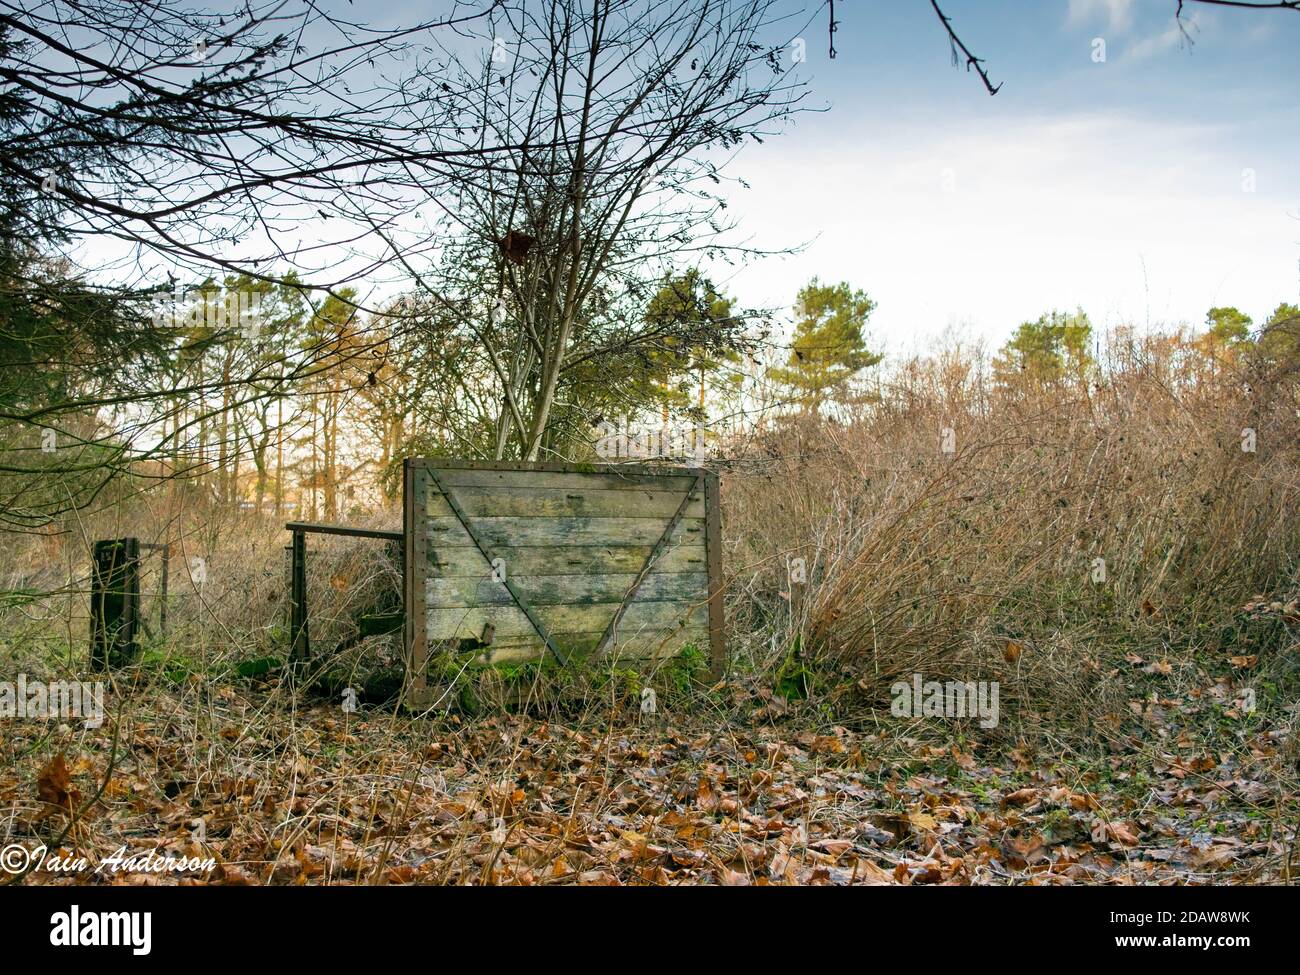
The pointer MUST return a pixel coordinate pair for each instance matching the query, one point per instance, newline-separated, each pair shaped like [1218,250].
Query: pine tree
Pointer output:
[1047,350]
[829,349]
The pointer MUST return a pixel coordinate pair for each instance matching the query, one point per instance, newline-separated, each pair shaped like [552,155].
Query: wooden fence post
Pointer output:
[162,596]
[114,602]
[299,639]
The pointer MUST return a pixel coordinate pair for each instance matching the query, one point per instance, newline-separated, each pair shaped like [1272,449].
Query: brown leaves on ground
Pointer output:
[318,797]
[54,785]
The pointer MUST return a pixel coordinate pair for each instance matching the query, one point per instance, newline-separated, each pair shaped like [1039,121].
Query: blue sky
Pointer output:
[1144,188]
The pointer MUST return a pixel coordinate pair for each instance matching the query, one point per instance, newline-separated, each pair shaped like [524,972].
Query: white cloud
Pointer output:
[1174,36]
[1131,218]
[1118,13]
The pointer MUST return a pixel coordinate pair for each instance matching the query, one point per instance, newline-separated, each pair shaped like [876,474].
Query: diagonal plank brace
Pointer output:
[486,552]
[664,539]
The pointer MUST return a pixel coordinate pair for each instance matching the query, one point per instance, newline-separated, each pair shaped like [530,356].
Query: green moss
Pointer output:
[793,679]
[260,667]
[684,671]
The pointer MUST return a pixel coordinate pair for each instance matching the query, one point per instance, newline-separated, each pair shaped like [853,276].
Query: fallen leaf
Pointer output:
[54,784]
[922,821]
[1021,797]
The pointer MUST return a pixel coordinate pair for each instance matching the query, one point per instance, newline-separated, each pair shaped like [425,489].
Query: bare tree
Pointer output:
[204,136]
[620,117]
[148,144]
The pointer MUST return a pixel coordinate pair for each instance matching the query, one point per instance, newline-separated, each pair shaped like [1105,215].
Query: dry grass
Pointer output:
[918,560]
[979,563]
[970,565]
[228,587]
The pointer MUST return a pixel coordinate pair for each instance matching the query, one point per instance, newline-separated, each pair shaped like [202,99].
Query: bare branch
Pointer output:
[971,60]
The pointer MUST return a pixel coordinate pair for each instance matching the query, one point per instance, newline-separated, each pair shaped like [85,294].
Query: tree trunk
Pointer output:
[279,456]
[223,448]
[330,430]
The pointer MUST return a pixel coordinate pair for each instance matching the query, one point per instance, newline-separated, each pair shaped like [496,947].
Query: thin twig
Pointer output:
[971,60]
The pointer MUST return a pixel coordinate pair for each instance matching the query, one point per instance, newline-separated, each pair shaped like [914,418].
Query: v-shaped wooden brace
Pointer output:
[522,601]
[481,544]
[664,539]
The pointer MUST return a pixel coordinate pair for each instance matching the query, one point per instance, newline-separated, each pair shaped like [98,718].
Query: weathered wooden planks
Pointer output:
[569,560]
[468,623]
[587,502]
[632,648]
[620,561]
[447,531]
[598,478]
[575,590]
